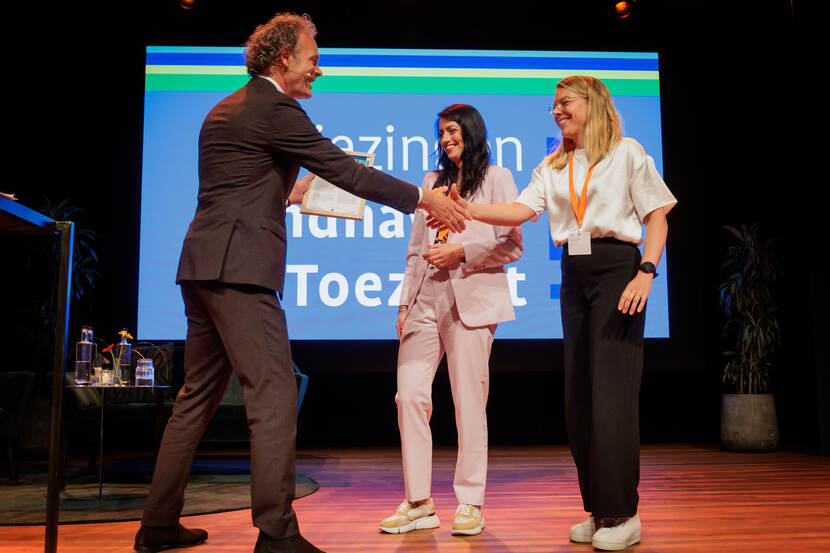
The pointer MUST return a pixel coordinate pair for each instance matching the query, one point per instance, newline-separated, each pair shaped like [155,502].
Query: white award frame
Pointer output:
[323,198]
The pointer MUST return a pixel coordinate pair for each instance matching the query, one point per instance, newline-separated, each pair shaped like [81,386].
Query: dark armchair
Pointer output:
[15,390]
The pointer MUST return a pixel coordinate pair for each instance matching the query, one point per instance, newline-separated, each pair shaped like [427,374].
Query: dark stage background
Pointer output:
[733,105]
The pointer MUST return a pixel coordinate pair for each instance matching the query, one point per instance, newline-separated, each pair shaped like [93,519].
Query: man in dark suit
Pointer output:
[251,147]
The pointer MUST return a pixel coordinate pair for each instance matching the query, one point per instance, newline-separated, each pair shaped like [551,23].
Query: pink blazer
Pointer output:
[479,283]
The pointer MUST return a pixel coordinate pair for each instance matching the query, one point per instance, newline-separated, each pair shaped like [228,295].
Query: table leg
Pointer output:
[101,448]
[66,230]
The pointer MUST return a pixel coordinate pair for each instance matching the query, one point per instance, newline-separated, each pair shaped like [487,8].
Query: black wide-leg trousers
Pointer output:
[603,369]
[240,329]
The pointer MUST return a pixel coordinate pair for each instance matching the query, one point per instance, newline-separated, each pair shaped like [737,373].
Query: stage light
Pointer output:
[189,4]
[620,9]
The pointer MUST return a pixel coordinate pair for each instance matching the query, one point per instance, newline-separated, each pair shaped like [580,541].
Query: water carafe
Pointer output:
[85,351]
[144,372]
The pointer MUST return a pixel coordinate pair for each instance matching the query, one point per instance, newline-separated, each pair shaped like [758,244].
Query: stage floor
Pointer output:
[693,498]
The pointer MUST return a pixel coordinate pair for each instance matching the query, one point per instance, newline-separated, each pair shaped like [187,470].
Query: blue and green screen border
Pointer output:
[390,71]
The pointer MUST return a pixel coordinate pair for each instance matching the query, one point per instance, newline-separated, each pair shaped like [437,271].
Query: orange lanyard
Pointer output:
[578,205]
[444,233]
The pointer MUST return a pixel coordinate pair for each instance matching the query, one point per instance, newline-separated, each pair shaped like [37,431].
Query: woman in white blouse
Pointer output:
[599,189]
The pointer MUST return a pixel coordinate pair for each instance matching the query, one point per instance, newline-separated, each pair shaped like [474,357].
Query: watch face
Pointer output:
[647,267]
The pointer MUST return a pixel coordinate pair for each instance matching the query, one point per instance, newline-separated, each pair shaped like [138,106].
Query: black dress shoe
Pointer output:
[294,544]
[151,539]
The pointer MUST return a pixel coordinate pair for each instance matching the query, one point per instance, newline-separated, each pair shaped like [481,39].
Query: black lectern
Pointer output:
[17,219]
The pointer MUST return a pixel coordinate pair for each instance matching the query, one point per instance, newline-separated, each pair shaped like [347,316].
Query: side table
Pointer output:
[157,392]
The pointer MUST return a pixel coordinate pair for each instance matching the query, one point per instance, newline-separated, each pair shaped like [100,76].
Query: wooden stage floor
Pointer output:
[693,498]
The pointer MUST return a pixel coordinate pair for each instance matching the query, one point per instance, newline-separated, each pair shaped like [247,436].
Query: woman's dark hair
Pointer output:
[476,155]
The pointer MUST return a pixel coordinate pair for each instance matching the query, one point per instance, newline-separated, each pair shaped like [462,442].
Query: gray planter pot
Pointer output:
[748,422]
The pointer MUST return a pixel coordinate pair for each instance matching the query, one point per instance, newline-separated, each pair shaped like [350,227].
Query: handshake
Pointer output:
[445,210]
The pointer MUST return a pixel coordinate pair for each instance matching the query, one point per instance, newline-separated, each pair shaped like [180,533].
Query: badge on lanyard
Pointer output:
[579,243]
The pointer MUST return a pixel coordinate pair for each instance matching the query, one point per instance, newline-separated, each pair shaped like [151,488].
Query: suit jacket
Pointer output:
[479,283]
[251,147]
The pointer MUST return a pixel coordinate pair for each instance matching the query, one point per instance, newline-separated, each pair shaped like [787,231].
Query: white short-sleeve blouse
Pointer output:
[624,187]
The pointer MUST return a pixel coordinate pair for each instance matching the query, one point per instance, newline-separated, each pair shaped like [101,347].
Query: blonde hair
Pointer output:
[603,127]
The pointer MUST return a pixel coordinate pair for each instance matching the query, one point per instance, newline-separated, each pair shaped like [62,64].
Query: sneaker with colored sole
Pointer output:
[410,516]
[584,531]
[468,520]
[618,537]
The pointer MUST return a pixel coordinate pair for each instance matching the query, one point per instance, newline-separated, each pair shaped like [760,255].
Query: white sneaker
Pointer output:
[618,537]
[468,521]
[584,531]
[409,517]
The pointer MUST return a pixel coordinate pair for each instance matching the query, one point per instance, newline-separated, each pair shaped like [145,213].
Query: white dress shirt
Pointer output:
[273,82]
[624,187]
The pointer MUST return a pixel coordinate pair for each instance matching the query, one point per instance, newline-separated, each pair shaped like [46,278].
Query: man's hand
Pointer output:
[444,255]
[460,202]
[444,210]
[300,188]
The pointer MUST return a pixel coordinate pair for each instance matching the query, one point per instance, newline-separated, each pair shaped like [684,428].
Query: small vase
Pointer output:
[123,374]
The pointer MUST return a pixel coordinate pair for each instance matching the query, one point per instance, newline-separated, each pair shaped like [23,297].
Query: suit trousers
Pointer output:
[237,328]
[432,328]
[603,370]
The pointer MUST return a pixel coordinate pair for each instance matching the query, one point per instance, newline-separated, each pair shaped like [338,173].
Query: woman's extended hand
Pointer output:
[444,255]
[463,204]
[633,298]
[445,211]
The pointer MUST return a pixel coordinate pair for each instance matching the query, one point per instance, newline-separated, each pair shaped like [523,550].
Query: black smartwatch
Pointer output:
[648,267]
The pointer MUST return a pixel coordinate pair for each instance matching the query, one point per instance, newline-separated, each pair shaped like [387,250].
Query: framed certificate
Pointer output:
[323,198]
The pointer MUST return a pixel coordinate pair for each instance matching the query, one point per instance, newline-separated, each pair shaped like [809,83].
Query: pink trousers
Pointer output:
[432,328]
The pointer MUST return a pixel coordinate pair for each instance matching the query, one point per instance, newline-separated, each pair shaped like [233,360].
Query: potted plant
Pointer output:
[748,420]
[34,312]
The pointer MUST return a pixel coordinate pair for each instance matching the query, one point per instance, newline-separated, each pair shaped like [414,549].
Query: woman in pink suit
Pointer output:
[454,293]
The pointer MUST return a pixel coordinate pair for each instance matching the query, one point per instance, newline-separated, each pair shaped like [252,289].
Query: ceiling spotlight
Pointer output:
[189,4]
[621,9]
